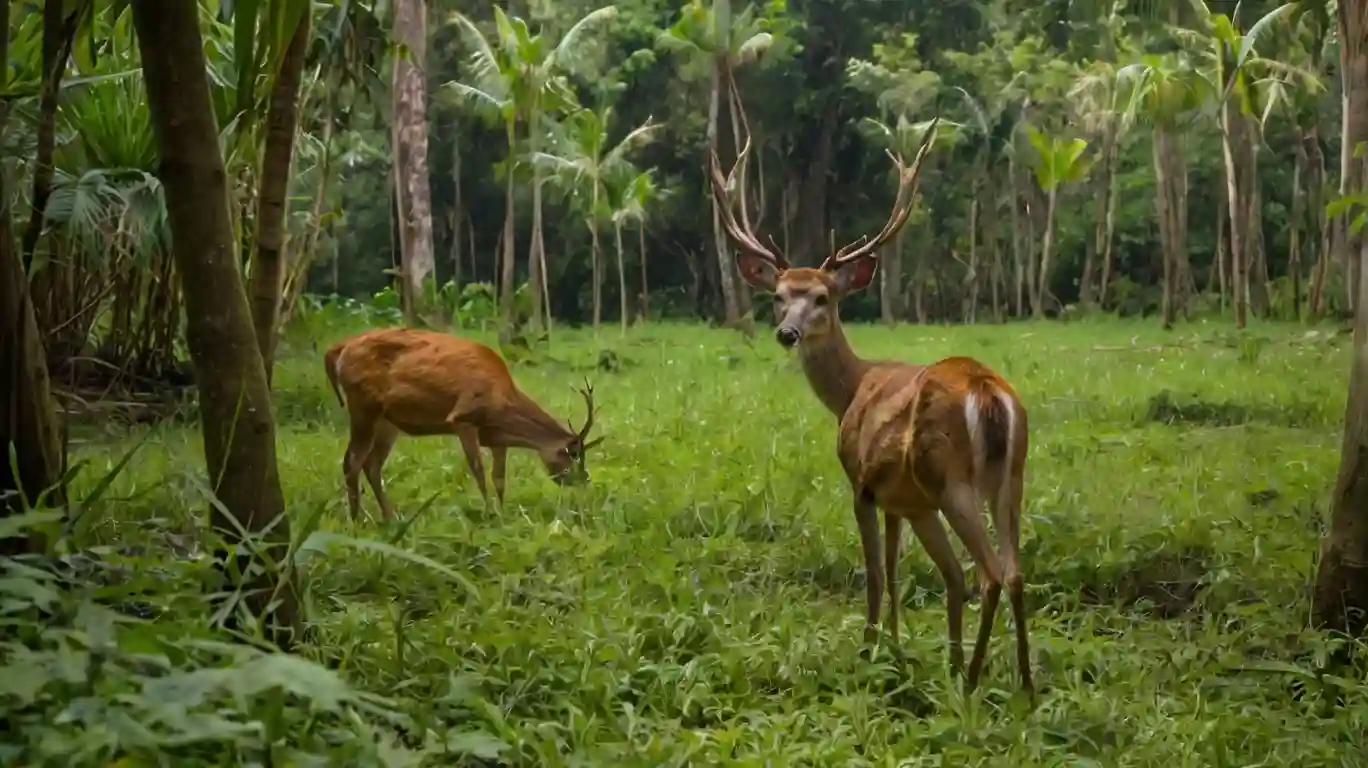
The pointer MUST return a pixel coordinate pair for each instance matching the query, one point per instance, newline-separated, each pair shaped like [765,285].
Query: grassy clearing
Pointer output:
[701,601]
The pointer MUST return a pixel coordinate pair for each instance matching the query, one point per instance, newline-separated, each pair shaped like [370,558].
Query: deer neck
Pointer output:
[524,424]
[833,370]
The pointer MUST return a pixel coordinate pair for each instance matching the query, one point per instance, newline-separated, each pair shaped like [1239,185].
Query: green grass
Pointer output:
[701,601]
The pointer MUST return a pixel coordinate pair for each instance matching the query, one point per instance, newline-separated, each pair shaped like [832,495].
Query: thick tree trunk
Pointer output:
[411,149]
[268,263]
[1341,595]
[234,400]
[28,418]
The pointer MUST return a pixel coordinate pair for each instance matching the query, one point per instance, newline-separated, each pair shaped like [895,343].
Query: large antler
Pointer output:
[741,233]
[902,206]
[588,394]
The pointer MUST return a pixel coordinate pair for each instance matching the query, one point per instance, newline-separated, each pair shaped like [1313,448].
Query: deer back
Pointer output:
[414,378]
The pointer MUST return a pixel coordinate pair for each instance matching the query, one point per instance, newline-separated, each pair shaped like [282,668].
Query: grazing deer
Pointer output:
[428,383]
[914,439]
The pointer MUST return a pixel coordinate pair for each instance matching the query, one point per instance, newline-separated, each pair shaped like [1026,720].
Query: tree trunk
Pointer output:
[1046,251]
[622,276]
[1164,197]
[28,417]
[235,402]
[411,149]
[1340,600]
[298,273]
[536,249]
[890,284]
[1087,290]
[506,314]
[58,32]
[268,264]
[1294,255]
[457,215]
[1109,238]
[972,315]
[1017,238]
[725,267]
[645,289]
[596,256]
[1222,252]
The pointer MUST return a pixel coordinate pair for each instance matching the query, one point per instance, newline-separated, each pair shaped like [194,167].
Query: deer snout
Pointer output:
[787,336]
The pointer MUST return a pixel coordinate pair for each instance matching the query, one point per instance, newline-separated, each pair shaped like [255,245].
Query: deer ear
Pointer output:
[757,271]
[855,276]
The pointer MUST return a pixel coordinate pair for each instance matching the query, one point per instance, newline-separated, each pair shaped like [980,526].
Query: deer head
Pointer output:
[805,298]
[565,461]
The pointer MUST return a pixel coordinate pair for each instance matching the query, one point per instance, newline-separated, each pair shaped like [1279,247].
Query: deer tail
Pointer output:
[330,360]
[991,416]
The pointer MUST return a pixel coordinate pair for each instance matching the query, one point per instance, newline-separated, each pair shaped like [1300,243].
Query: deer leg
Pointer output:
[470,443]
[381,445]
[499,469]
[867,518]
[892,541]
[961,508]
[929,530]
[1007,521]
[354,459]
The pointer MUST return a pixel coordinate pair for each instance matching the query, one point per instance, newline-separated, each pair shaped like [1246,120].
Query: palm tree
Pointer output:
[518,79]
[1058,161]
[1167,91]
[710,34]
[584,162]
[641,194]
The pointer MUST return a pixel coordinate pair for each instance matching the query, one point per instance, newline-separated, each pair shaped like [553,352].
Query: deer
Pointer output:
[920,442]
[420,383]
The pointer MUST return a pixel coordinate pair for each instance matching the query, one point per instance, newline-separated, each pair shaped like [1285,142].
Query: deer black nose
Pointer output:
[787,336]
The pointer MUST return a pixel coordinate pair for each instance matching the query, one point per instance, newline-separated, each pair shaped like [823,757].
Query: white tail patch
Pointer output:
[973,420]
[1007,458]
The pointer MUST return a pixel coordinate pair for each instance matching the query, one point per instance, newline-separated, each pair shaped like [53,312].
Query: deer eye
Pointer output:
[821,300]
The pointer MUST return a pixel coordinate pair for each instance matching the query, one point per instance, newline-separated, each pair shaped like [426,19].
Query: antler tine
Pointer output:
[588,394]
[741,232]
[902,206]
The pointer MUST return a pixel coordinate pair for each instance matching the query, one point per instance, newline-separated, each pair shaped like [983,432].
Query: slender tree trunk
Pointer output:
[506,313]
[890,285]
[596,257]
[732,313]
[1017,238]
[1237,210]
[1088,288]
[268,264]
[1340,600]
[1109,238]
[1222,252]
[645,289]
[622,276]
[1294,255]
[457,214]
[28,417]
[235,401]
[411,149]
[972,315]
[1046,251]
[58,33]
[298,273]
[1167,222]
[536,250]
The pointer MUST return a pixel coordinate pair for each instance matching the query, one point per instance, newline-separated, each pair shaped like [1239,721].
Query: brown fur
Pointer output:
[420,383]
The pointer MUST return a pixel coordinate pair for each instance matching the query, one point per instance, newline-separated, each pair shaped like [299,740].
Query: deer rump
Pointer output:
[914,432]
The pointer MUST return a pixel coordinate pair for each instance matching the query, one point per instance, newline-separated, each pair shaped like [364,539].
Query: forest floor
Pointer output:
[701,600]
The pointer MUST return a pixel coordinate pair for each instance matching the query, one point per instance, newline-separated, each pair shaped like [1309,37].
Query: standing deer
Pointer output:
[427,383]
[914,440]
